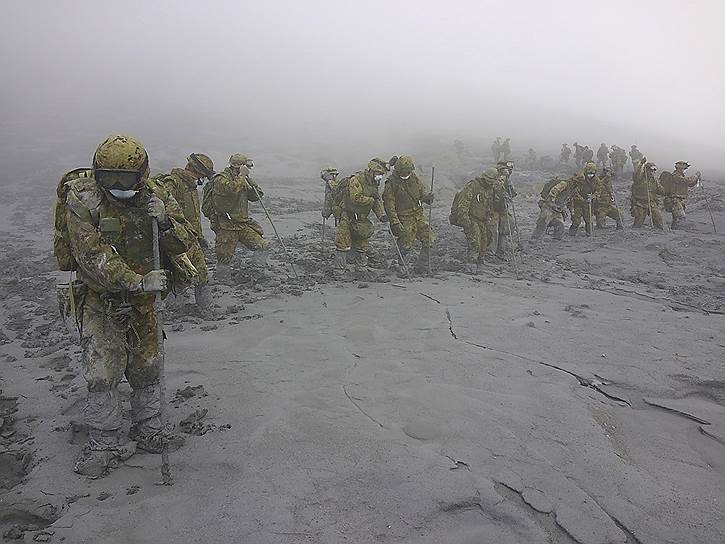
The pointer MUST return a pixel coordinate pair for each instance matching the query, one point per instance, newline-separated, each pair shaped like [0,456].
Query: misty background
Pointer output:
[337,82]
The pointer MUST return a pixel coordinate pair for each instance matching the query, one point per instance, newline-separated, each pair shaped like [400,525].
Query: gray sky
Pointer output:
[372,75]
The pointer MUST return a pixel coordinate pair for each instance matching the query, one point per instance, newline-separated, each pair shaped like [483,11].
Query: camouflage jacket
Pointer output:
[603,191]
[182,185]
[112,240]
[482,200]
[677,183]
[582,188]
[557,196]
[404,198]
[361,196]
[645,186]
[232,194]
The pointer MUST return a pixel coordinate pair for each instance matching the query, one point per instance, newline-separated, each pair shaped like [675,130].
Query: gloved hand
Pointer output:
[511,191]
[428,198]
[384,219]
[396,229]
[325,214]
[157,210]
[203,243]
[156,280]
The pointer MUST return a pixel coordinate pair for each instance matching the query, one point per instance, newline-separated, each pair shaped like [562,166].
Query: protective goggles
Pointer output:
[116,178]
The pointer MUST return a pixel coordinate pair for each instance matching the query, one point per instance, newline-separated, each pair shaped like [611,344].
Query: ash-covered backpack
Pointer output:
[207,201]
[61,240]
[548,186]
[338,195]
[456,217]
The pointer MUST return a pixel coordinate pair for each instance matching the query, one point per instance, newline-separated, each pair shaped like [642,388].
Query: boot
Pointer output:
[620,226]
[150,436]
[102,453]
[360,257]
[502,247]
[558,230]
[421,265]
[340,262]
[259,258]
[402,266]
[573,229]
[223,274]
[204,300]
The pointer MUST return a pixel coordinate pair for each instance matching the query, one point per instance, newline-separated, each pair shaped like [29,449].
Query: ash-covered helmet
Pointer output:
[120,163]
[490,174]
[328,174]
[682,164]
[652,167]
[382,163]
[391,161]
[239,159]
[200,164]
[377,167]
[505,166]
[404,165]
[590,168]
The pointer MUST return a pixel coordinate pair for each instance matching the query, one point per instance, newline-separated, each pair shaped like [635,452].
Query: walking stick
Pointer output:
[513,249]
[166,478]
[400,254]
[707,204]
[430,215]
[649,202]
[591,222]
[322,240]
[279,238]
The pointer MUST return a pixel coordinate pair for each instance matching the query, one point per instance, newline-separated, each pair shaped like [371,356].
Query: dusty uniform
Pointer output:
[676,187]
[646,191]
[328,206]
[112,243]
[619,159]
[602,154]
[232,224]
[182,185]
[403,201]
[587,155]
[582,192]
[480,203]
[359,199]
[635,155]
[578,152]
[603,203]
[552,206]
[565,153]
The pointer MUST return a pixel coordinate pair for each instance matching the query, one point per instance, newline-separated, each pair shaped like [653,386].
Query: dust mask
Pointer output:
[123,195]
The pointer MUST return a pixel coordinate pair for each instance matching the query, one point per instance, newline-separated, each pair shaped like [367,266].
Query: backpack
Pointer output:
[455,218]
[61,239]
[338,195]
[207,201]
[548,186]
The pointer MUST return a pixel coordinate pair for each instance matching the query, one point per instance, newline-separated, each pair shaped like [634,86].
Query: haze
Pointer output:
[347,80]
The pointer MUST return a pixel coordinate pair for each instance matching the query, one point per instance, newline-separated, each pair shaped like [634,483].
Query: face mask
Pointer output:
[123,195]
[405,177]
[378,177]
[590,175]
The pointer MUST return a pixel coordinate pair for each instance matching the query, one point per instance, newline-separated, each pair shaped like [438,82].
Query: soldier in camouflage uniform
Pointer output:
[502,239]
[565,154]
[603,202]
[232,190]
[109,220]
[618,157]
[359,196]
[587,155]
[403,199]
[182,184]
[602,154]
[478,207]
[676,185]
[635,155]
[552,204]
[584,184]
[578,152]
[646,192]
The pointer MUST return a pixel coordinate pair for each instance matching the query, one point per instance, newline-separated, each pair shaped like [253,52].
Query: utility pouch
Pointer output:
[71,297]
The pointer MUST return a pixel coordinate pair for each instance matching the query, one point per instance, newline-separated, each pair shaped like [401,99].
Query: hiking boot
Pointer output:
[259,258]
[223,274]
[340,263]
[150,437]
[102,453]
[204,300]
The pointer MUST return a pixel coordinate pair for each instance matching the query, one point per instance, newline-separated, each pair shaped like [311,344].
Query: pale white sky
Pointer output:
[353,72]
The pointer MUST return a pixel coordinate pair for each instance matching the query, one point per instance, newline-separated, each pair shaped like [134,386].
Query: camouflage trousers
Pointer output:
[118,341]
[604,210]
[548,217]
[480,235]
[248,234]
[579,212]
[196,256]
[414,227]
[353,234]
[677,205]
[640,211]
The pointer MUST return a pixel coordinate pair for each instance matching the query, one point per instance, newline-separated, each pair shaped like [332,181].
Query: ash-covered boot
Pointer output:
[147,430]
[223,274]
[421,265]
[340,263]
[204,300]
[259,258]
[360,257]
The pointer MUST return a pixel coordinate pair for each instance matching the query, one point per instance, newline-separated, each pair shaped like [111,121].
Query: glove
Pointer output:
[325,214]
[157,210]
[396,229]
[203,243]
[428,199]
[511,191]
[384,219]
[156,280]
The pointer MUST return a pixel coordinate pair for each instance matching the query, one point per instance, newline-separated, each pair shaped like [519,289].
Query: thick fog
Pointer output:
[351,79]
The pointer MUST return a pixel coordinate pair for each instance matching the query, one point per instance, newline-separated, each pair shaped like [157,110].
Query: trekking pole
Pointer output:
[430,215]
[513,249]
[516,222]
[166,478]
[649,202]
[400,254]
[707,204]
[591,222]
[322,239]
[279,238]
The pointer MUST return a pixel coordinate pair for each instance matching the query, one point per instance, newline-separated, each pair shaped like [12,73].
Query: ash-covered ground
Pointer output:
[583,402]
